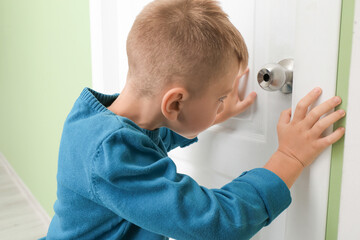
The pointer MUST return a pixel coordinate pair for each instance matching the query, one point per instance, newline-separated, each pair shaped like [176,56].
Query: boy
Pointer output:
[115,180]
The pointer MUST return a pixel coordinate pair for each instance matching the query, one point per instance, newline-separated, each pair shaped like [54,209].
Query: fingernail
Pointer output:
[317,90]
[341,112]
[337,100]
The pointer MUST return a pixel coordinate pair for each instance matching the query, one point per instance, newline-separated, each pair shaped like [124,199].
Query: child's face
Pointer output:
[200,113]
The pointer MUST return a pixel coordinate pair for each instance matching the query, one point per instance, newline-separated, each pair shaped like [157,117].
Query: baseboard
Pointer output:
[25,191]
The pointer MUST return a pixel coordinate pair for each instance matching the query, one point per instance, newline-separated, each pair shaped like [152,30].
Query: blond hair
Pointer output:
[181,40]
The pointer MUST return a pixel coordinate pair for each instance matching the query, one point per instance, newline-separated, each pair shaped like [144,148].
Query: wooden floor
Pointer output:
[21,217]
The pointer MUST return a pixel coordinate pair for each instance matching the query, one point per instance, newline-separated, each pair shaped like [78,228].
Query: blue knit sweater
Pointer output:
[116,181]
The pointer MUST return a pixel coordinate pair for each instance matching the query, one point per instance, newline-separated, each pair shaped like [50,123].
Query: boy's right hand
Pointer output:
[301,138]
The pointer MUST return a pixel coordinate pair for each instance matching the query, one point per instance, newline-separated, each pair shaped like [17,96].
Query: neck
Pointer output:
[143,111]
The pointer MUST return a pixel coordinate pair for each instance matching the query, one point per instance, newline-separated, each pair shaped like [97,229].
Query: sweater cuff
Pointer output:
[271,188]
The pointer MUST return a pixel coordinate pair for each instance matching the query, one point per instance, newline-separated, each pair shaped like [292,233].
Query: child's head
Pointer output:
[191,42]
[184,57]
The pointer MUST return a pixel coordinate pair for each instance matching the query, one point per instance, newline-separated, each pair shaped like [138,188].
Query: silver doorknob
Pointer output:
[277,76]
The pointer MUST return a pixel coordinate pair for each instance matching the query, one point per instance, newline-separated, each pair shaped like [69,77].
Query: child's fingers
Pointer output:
[332,138]
[243,73]
[285,116]
[315,114]
[236,87]
[303,105]
[242,105]
[326,122]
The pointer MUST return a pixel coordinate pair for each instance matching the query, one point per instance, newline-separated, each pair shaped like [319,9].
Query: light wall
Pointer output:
[45,62]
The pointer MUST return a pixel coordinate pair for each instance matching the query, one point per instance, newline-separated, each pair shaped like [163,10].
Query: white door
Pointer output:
[273,30]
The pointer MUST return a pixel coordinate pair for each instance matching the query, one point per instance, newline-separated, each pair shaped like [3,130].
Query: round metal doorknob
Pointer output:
[277,76]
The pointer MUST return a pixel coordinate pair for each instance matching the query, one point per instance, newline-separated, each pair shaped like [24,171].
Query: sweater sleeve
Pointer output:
[134,181]
[173,140]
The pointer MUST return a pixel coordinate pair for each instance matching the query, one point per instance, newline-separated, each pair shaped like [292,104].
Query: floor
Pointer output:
[21,217]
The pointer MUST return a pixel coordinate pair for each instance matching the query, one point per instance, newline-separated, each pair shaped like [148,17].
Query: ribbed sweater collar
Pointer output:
[99,102]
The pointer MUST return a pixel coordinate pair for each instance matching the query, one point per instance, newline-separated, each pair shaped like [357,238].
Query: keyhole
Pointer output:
[266,77]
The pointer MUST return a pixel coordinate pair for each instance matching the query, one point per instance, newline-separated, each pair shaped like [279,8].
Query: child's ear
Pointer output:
[172,102]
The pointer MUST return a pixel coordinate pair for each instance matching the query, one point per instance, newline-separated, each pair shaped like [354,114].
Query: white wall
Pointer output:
[109,20]
[350,189]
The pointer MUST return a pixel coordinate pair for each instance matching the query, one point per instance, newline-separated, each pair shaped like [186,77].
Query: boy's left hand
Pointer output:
[233,105]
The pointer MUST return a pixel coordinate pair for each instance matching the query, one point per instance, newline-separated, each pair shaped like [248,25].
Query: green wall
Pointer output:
[44,64]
